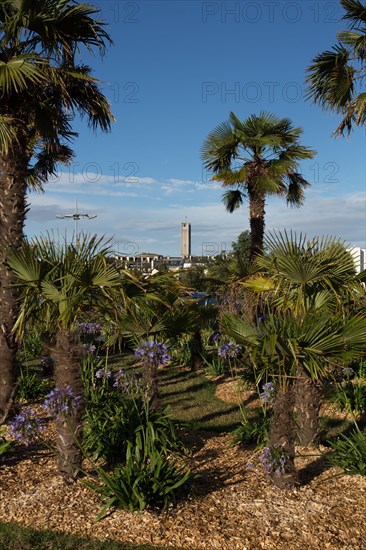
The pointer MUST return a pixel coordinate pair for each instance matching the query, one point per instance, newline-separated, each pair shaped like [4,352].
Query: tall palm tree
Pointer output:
[258,157]
[42,88]
[58,283]
[336,77]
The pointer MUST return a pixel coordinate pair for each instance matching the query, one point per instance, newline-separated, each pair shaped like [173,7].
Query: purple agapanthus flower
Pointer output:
[268,394]
[62,402]
[274,459]
[127,382]
[153,354]
[229,350]
[347,372]
[103,374]
[90,348]
[25,426]
[91,328]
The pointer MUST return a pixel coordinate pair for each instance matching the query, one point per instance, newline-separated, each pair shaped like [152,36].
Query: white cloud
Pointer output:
[145,217]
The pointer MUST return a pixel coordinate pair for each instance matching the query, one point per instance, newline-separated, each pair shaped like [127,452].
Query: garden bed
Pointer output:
[233,506]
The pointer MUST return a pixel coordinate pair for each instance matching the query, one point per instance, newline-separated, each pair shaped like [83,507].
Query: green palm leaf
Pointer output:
[18,72]
[8,133]
[335,78]
[25,264]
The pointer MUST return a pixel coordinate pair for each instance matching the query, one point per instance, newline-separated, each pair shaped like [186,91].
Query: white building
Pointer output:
[359,257]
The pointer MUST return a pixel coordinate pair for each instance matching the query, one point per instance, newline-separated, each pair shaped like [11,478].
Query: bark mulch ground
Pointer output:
[233,507]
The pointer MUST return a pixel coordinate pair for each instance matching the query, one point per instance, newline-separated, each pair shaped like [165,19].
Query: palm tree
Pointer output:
[335,79]
[58,283]
[285,349]
[309,292]
[42,88]
[315,277]
[268,151]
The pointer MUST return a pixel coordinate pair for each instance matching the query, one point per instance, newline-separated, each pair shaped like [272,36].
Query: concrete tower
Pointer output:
[185,240]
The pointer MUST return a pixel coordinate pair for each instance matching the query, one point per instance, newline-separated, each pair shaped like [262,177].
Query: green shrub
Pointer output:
[252,431]
[350,394]
[30,386]
[216,366]
[31,347]
[108,424]
[4,444]
[350,452]
[152,473]
[182,353]
[115,407]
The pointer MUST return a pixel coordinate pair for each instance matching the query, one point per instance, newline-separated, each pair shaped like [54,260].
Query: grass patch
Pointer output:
[15,537]
[332,428]
[122,360]
[192,400]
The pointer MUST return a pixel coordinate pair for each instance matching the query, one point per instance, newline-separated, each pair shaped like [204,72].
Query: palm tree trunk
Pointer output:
[13,209]
[67,357]
[282,434]
[256,219]
[307,407]
[195,346]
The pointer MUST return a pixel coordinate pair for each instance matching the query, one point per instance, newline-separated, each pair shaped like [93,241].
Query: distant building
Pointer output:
[359,257]
[143,262]
[185,240]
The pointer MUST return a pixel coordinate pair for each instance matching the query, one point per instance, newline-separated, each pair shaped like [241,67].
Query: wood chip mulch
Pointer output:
[233,506]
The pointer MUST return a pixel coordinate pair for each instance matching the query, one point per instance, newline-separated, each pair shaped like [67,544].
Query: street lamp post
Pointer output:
[76,216]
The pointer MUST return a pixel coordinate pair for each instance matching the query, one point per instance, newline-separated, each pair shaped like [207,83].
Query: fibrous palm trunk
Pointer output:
[307,406]
[13,209]
[282,434]
[256,214]
[196,348]
[67,357]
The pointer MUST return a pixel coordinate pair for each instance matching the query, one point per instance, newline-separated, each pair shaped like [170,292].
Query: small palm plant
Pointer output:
[310,278]
[59,283]
[308,331]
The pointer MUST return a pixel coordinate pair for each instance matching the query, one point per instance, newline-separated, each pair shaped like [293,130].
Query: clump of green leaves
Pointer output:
[30,385]
[137,440]
[252,431]
[4,444]
[216,366]
[112,406]
[350,394]
[153,471]
[182,353]
[350,452]
[30,347]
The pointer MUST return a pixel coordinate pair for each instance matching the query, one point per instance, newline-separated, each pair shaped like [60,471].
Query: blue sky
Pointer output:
[175,71]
